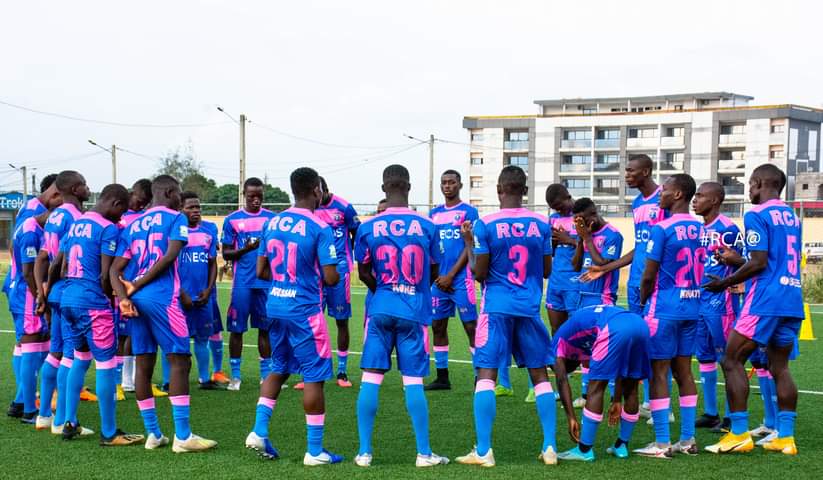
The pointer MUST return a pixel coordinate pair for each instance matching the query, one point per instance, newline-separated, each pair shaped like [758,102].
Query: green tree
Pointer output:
[180,163]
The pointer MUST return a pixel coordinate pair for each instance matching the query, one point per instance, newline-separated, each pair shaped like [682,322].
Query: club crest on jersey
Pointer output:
[184,231]
[31,252]
[332,251]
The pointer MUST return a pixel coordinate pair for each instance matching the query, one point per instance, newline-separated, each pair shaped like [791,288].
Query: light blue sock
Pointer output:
[48,381]
[367,402]
[314,434]
[627,423]
[418,410]
[166,368]
[646,392]
[149,414]
[588,431]
[342,363]
[504,376]
[106,385]
[201,354]
[709,380]
[611,388]
[584,381]
[660,416]
[265,407]
[234,363]
[180,412]
[265,367]
[688,415]
[546,410]
[62,382]
[441,357]
[785,423]
[770,404]
[29,366]
[216,347]
[740,422]
[485,410]
[74,384]
[16,361]
[118,371]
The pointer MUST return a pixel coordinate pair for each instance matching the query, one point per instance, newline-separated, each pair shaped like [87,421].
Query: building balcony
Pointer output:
[575,167]
[576,144]
[731,165]
[606,167]
[645,142]
[516,145]
[671,166]
[580,192]
[606,191]
[672,142]
[607,143]
[777,138]
[734,189]
[732,139]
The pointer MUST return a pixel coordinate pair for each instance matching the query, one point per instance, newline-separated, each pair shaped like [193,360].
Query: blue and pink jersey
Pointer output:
[296,244]
[193,262]
[341,216]
[128,217]
[773,227]
[56,229]
[89,238]
[32,208]
[675,245]
[516,240]
[720,233]
[609,243]
[447,222]
[240,228]
[647,213]
[145,241]
[563,276]
[27,242]
[401,245]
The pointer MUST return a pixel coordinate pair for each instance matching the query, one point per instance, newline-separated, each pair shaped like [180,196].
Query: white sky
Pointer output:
[362,73]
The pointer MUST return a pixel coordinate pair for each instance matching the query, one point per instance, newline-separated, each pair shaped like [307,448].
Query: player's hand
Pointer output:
[561,236]
[583,230]
[738,289]
[716,284]
[593,273]
[202,297]
[185,300]
[728,256]
[129,286]
[574,429]
[614,413]
[467,233]
[444,283]
[127,308]
[252,245]
[41,304]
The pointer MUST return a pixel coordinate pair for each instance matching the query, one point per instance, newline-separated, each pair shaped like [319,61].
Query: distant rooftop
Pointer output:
[676,97]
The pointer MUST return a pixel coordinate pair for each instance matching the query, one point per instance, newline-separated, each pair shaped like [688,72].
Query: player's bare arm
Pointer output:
[561,367]
[262,269]
[203,296]
[118,265]
[755,265]
[577,258]
[562,237]
[161,266]
[596,271]
[367,276]
[444,282]
[330,275]
[232,254]
[648,280]
[41,277]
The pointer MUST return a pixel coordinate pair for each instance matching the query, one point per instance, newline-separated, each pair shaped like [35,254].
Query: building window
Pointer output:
[605,162]
[576,163]
[476,182]
[516,140]
[642,132]
[778,128]
[518,160]
[608,134]
[805,186]
[678,108]
[477,137]
[776,153]
[518,136]
[607,187]
[732,129]
[732,184]
[675,131]
[577,135]
[619,109]
[731,160]
[673,161]
[477,160]
[578,187]
[588,109]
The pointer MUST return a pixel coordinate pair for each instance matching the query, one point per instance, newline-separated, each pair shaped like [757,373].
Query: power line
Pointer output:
[110,123]
[320,142]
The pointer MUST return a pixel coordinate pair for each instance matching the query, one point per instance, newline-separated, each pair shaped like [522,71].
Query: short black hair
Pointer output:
[512,180]
[68,179]
[771,175]
[303,181]
[115,191]
[383,200]
[555,191]
[644,160]
[188,194]
[452,172]
[46,182]
[583,204]
[684,183]
[161,183]
[252,182]
[716,189]
[144,185]
[323,185]
[395,177]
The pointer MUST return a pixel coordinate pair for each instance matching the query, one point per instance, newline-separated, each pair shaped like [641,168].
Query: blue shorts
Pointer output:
[337,298]
[159,325]
[671,338]
[710,337]
[621,350]
[498,336]
[591,299]
[633,298]
[768,330]
[463,300]
[245,303]
[562,300]
[385,334]
[123,323]
[92,328]
[301,345]
[199,321]
[60,332]
[217,317]
[28,324]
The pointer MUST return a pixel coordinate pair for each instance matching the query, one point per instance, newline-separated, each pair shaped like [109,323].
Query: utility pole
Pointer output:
[242,160]
[431,171]
[34,184]
[114,164]
[24,170]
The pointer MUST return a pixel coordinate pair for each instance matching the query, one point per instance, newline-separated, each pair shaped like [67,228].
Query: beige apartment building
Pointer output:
[584,143]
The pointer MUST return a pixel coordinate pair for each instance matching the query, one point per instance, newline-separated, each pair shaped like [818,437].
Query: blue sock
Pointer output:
[766,395]
[48,381]
[611,388]
[62,382]
[588,431]
[16,361]
[709,380]
[201,354]
[688,415]
[740,422]
[216,347]
[546,410]
[234,363]
[584,382]
[485,410]
[785,423]
[669,378]
[149,414]
[504,377]
[646,392]
[106,386]
[441,357]
[166,367]
[418,410]
[771,405]
[265,367]
[118,371]
[180,411]
[660,416]
[627,423]
[529,379]
[343,363]
[366,411]
[314,433]
[74,384]
[265,407]
[29,366]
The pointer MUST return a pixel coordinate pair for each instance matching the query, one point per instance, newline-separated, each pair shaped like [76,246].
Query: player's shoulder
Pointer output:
[30,225]
[340,201]
[265,212]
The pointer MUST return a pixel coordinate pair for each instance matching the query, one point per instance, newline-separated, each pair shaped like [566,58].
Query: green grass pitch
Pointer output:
[228,416]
